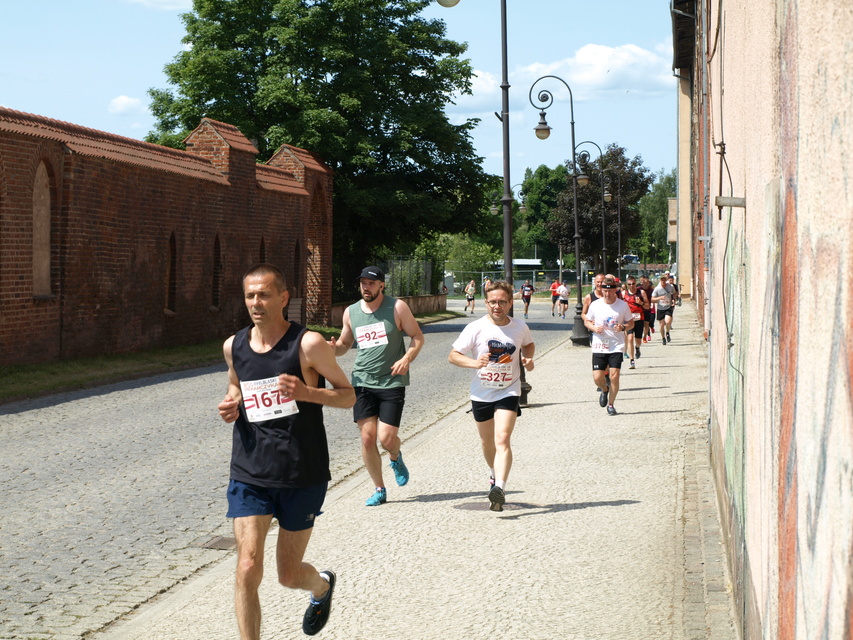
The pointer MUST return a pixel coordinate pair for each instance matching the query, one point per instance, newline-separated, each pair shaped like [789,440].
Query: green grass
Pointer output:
[33,380]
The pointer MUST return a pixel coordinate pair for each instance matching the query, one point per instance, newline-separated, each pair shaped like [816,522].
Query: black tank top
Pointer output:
[284,452]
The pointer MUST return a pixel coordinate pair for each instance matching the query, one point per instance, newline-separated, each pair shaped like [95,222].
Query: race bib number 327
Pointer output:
[262,400]
[496,376]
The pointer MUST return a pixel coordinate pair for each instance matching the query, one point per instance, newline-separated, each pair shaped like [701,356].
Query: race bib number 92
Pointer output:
[371,335]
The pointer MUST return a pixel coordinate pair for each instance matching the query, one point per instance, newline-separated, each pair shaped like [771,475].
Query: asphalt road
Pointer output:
[113,495]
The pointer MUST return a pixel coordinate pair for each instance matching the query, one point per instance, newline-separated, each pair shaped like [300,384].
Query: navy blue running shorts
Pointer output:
[385,403]
[485,411]
[294,508]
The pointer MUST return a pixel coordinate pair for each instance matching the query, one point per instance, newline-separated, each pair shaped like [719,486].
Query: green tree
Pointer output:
[541,189]
[362,83]
[650,241]
[466,254]
[627,180]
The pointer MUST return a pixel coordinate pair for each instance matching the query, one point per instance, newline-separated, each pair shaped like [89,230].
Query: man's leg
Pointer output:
[293,573]
[600,379]
[250,533]
[369,449]
[504,423]
[487,441]
[614,384]
[389,438]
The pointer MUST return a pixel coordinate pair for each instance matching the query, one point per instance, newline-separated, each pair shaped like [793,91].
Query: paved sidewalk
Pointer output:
[610,528]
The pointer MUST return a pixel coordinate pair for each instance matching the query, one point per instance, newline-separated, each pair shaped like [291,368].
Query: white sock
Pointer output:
[491,473]
[500,483]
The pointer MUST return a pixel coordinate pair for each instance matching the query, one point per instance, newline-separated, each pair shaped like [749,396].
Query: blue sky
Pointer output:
[91,62]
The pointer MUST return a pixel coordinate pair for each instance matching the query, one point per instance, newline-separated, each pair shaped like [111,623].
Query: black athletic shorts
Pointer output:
[485,411]
[638,329]
[662,313]
[600,361]
[385,403]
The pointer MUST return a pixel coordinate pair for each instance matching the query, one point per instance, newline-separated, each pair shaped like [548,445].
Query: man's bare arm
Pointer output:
[315,354]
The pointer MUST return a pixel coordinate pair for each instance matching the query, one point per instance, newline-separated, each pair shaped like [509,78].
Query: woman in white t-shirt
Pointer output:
[497,346]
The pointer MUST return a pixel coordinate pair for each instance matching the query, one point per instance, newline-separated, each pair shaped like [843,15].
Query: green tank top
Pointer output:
[380,345]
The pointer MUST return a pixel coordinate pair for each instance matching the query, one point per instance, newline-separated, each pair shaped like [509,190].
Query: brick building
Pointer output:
[109,244]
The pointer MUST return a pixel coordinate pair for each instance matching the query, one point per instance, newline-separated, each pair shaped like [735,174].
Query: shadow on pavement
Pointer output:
[535,510]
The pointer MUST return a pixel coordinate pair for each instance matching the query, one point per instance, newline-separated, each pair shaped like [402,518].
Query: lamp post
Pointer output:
[580,334]
[506,199]
[605,196]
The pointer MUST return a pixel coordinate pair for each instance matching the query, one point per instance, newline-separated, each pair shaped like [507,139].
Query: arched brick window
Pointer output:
[172,274]
[41,232]
[296,285]
[216,298]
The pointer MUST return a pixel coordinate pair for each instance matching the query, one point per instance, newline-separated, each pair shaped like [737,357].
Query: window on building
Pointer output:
[172,274]
[41,232]
[217,273]
[262,252]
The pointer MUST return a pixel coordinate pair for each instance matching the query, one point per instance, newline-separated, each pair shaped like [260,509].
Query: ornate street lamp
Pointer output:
[580,334]
[583,158]
[608,198]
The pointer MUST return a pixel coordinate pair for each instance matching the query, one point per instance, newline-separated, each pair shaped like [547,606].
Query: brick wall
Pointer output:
[115,204]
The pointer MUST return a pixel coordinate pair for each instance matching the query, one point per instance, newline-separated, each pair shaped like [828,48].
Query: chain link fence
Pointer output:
[456,281]
[406,276]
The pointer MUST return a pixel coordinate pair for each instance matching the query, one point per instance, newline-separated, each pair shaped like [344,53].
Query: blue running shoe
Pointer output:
[379,497]
[401,473]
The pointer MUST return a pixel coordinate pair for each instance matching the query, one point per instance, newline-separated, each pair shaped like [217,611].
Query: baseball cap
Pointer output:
[372,273]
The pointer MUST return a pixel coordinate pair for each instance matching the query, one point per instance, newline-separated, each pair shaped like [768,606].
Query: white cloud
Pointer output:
[165,5]
[598,71]
[123,105]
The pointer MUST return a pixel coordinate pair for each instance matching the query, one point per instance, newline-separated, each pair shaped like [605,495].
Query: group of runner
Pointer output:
[619,321]
[277,377]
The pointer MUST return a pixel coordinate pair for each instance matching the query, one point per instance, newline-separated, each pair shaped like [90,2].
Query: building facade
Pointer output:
[766,198]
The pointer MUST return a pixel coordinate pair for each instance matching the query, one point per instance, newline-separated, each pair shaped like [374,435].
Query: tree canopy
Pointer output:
[650,243]
[549,195]
[362,83]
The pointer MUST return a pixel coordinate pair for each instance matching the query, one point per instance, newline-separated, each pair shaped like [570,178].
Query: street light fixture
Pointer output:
[580,334]
[605,196]
[506,199]
[608,198]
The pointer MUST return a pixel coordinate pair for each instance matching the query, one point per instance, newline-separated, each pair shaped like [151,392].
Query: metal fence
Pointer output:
[456,281]
[405,276]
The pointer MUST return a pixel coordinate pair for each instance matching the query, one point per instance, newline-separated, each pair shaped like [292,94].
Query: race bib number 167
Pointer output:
[262,400]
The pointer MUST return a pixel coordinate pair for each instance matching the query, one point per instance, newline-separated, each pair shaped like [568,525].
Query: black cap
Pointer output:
[372,273]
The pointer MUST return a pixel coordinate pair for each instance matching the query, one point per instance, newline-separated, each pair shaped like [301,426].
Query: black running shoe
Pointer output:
[602,399]
[497,499]
[611,410]
[317,613]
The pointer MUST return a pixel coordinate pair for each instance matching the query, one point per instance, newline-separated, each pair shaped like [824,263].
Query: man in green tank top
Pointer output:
[380,375]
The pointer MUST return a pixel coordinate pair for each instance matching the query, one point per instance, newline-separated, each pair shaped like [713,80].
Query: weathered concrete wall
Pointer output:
[778,302]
